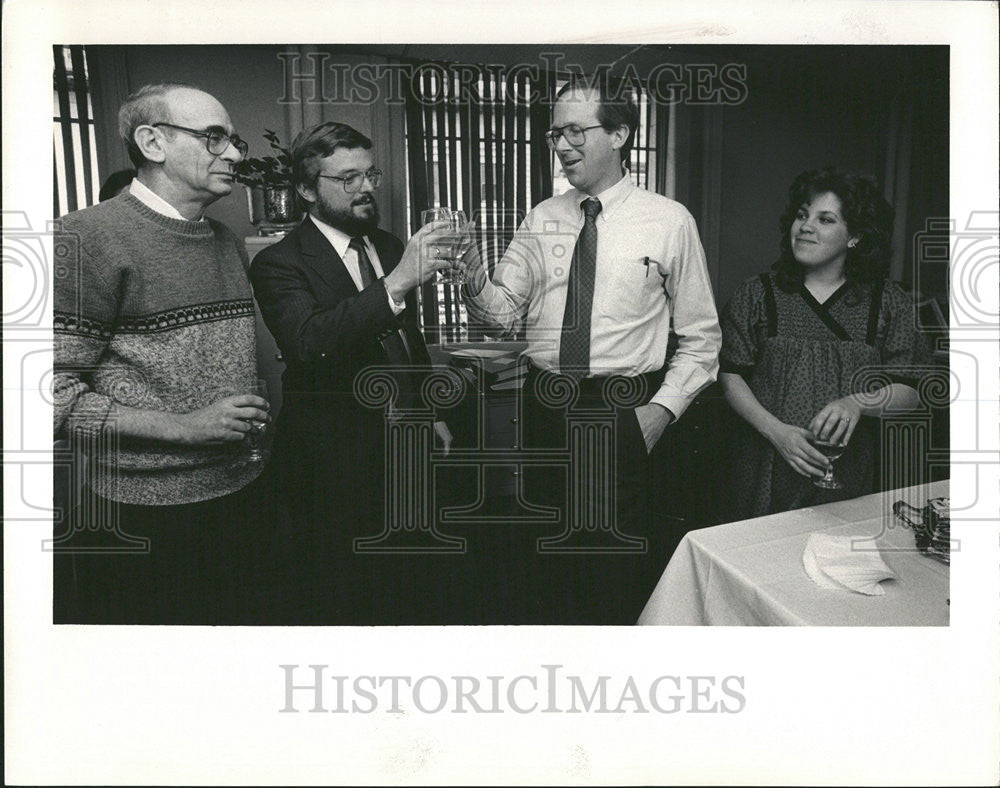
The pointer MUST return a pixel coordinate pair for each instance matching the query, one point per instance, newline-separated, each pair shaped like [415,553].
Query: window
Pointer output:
[77,181]
[469,144]
[477,145]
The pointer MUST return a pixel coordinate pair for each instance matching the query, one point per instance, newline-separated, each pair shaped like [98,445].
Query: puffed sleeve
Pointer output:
[904,350]
[742,322]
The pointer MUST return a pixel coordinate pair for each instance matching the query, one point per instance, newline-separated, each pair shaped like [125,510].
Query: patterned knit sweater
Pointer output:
[153,313]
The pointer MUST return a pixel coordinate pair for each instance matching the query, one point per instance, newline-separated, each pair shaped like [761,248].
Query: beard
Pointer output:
[345,219]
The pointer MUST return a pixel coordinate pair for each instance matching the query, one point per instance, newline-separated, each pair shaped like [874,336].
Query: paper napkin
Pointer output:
[832,562]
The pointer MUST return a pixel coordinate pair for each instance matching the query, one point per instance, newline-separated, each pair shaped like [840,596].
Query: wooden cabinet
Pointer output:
[501,433]
[486,421]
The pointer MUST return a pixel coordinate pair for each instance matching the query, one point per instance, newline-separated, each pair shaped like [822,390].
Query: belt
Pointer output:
[645,384]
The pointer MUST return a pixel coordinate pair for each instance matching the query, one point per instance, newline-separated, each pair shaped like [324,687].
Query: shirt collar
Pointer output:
[155,202]
[338,239]
[611,198]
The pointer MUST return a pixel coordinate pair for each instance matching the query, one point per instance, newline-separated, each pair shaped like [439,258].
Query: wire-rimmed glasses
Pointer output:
[216,139]
[574,135]
[352,183]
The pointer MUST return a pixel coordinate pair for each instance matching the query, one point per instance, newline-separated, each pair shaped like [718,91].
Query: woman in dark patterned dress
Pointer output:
[804,343]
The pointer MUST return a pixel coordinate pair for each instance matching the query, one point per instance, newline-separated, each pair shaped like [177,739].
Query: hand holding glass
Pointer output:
[831,451]
[457,242]
[255,437]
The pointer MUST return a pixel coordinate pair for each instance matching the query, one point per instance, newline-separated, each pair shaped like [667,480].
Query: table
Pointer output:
[751,572]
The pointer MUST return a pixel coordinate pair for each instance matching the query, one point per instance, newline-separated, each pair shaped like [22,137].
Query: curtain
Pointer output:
[696,173]
[663,159]
[896,177]
[109,87]
[915,176]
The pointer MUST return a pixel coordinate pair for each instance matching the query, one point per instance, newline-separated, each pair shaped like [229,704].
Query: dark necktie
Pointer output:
[392,342]
[574,345]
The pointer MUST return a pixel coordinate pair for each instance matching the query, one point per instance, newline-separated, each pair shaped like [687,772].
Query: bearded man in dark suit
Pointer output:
[339,296]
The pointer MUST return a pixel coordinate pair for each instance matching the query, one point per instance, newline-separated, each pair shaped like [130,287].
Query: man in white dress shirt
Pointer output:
[599,277]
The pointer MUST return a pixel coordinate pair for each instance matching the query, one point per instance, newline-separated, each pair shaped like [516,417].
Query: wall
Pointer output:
[250,83]
[245,79]
[806,107]
[781,129]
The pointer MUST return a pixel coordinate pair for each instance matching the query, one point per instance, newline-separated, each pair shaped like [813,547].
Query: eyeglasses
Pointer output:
[216,140]
[573,134]
[352,183]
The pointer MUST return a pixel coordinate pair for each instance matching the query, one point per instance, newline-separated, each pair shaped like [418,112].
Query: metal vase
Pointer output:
[270,205]
[279,205]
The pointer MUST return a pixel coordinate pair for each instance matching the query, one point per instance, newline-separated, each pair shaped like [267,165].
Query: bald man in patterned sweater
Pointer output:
[154,365]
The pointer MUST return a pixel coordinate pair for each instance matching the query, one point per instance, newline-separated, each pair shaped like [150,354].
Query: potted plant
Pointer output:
[270,194]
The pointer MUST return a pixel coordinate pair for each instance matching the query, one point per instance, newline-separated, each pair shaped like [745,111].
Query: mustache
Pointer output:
[365,200]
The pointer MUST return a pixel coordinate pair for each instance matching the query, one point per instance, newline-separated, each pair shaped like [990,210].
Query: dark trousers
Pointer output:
[324,576]
[196,563]
[611,552]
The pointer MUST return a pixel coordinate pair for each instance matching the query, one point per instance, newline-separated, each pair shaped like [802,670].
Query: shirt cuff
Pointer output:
[673,417]
[673,400]
[395,306]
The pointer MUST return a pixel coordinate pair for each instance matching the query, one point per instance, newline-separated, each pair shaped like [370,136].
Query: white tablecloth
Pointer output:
[751,572]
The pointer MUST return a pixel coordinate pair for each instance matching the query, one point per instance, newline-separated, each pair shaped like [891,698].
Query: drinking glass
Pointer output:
[428,215]
[455,246]
[255,437]
[831,451]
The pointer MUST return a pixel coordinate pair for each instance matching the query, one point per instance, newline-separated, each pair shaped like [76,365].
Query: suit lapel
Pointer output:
[322,258]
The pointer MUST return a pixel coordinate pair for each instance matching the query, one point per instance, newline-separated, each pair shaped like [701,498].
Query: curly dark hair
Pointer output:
[868,217]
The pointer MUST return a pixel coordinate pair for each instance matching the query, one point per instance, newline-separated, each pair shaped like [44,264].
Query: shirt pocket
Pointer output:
[631,285]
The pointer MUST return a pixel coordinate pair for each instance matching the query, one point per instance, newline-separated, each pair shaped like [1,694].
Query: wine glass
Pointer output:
[457,244]
[462,228]
[430,215]
[831,451]
[255,437]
